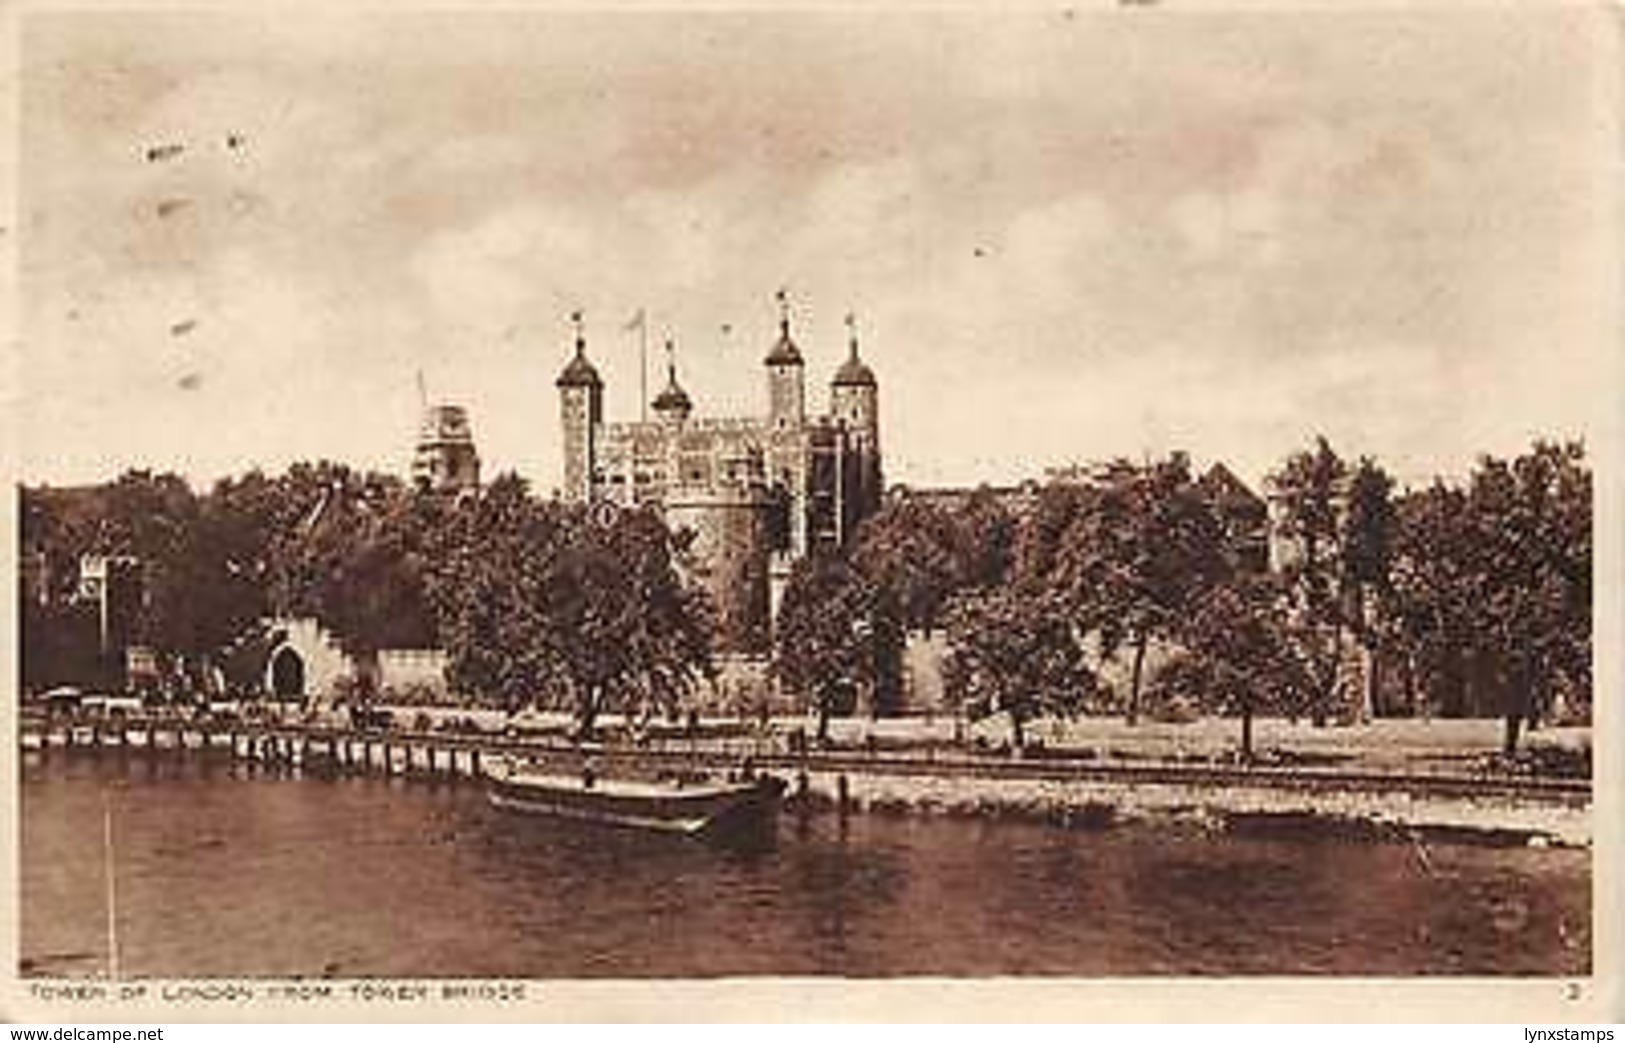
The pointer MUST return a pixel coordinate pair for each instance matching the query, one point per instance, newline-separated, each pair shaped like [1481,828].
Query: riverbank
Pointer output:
[1388,779]
[1421,744]
[1401,803]
[1346,813]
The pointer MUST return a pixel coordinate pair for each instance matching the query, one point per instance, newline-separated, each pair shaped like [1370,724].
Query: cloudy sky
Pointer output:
[1067,235]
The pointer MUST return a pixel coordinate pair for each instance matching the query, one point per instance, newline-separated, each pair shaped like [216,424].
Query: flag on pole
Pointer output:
[639,323]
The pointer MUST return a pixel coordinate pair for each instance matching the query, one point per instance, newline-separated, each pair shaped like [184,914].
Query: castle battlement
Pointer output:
[730,425]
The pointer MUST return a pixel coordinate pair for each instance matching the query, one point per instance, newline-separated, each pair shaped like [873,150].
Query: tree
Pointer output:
[661,636]
[57,643]
[1241,659]
[540,602]
[151,523]
[1368,535]
[837,634]
[1311,492]
[984,541]
[1491,586]
[58,640]
[910,549]
[238,524]
[922,553]
[331,523]
[1531,524]
[376,595]
[1142,546]
[1432,577]
[1037,544]
[489,593]
[1014,650]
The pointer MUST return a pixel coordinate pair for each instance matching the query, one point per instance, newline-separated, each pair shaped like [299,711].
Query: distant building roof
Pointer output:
[1222,484]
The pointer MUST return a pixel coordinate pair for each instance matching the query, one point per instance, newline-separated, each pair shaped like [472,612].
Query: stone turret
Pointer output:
[786,376]
[581,412]
[854,401]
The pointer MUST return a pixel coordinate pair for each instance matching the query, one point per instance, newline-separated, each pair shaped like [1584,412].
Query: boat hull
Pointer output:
[689,811]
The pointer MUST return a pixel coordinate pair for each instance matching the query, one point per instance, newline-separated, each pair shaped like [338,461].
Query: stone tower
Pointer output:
[854,405]
[581,411]
[786,377]
[445,460]
[726,524]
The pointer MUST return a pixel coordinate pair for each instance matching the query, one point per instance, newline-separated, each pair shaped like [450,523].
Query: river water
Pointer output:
[221,870]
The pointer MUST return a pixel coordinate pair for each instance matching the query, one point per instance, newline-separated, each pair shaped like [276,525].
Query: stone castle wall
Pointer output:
[728,555]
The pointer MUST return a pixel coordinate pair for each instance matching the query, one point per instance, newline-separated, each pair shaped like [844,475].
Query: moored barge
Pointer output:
[677,806]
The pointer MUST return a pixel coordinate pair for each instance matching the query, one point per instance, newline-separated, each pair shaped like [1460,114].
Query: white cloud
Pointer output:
[1092,237]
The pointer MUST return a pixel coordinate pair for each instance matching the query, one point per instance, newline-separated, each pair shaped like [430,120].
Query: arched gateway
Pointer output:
[287,673]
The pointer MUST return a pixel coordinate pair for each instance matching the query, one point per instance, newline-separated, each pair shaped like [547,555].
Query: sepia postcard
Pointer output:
[1084,512]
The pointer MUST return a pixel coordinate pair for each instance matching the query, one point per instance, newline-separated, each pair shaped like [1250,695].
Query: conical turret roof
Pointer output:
[579,372]
[672,398]
[853,373]
[784,352]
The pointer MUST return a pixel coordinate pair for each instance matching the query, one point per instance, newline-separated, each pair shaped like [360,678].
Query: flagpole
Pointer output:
[643,364]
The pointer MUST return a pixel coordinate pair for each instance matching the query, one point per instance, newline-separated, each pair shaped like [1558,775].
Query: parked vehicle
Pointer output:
[102,704]
[225,709]
[367,718]
[64,699]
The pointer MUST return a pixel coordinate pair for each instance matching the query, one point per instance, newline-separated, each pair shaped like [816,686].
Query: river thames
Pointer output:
[221,870]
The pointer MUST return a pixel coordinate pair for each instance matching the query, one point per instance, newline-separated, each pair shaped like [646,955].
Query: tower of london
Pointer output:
[746,496]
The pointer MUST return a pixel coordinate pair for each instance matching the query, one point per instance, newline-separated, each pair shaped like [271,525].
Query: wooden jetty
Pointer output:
[274,744]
